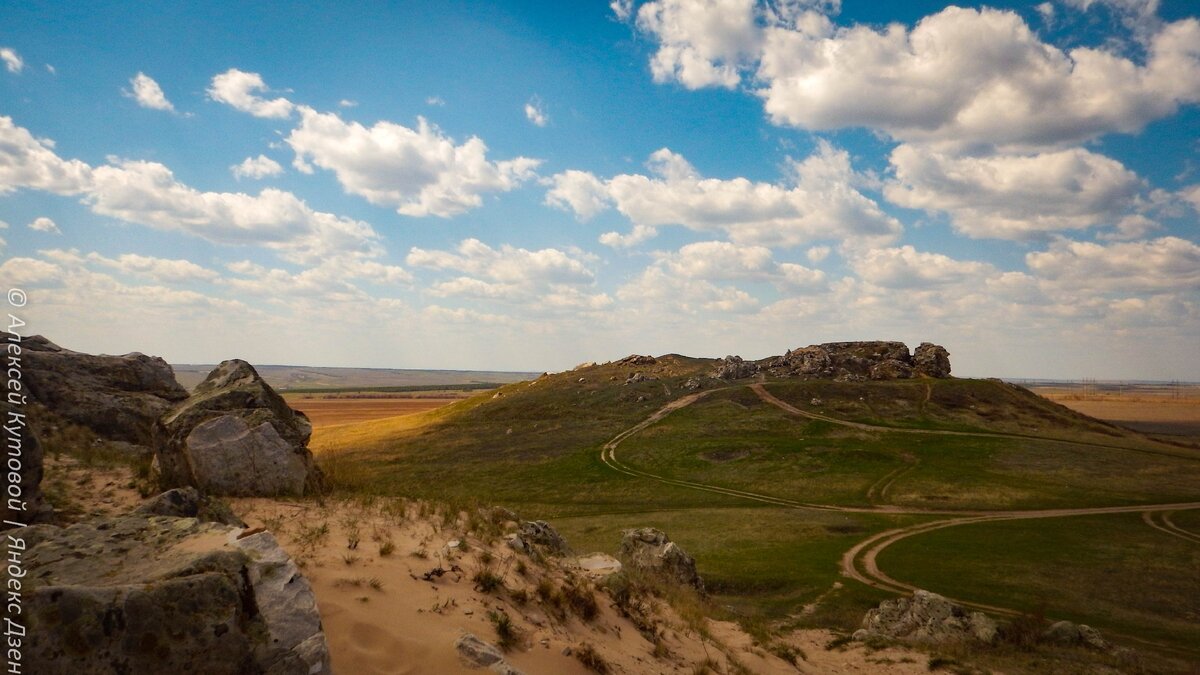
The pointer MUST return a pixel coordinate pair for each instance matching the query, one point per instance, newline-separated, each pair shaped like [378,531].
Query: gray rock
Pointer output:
[33,505]
[638,360]
[1067,633]
[735,368]
[539,534]
[476,653]
[236,436]
[928,618]
[693,384]
[650,550]
[890,369]
[151,594]
[118,397]
[188,502]
[931,360]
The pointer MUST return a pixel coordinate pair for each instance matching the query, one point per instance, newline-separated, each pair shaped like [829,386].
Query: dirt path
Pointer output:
[860,562]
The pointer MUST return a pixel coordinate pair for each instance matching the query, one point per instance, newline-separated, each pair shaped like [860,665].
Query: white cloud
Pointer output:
[960,76]
[905,267]
[821,202]
[420,171]
[1014,196]
[547,278]
[147,93]
[162,270]
[817,254]
[238,89]
[44,224]
[256,168]
[347,103]
[725,261]
[702,43]
[639,234]
[27,162]
[1158,265]
[659,291]
[622,9]
[535,112]
[435,101]
[12,60]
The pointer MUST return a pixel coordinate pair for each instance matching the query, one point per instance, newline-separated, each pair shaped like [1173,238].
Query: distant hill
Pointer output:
[290,378]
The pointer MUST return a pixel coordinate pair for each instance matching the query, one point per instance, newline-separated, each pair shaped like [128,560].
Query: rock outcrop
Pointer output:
[927,618]
[931,360]
[236,436]
[23,451]
[139,594]
[650,550]
[735,368]
[188,502]
[118,397]
[860,361]
[638,360]
[475,653]
[1077,634]
[538,535]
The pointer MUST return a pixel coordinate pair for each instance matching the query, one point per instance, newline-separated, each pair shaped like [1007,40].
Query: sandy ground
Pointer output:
[326,412]
[382,616]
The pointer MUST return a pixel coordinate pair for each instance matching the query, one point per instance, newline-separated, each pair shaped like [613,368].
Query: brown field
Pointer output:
[328,411]
[1174,412]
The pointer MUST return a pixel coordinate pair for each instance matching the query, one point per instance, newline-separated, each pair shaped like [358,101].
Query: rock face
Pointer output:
[651,550]
[475,653]
[539,534]
[1067,633]
[31,506]
[931,360]
[734,368]
[859,361]
[928,618]
[638,360]
[187,502]
[155,594]
[117,397]
[236,436]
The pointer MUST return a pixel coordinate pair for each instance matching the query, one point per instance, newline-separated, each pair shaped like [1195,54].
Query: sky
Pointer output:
[531,185]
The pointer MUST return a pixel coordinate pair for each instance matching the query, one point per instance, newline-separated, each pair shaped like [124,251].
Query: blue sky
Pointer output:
[531,185]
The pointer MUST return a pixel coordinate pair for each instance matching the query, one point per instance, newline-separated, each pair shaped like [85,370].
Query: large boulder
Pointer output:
[236,436]
[534,535]
[23,457]
[650,550]
[140,594]
[1078,634]
[931,360]
[927,618]
[117,397]
[735,368]
[638,360]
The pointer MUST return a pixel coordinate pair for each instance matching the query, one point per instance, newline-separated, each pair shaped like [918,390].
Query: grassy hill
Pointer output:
[769,487]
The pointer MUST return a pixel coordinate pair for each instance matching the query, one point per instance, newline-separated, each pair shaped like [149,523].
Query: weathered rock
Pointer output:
[151,594]
[117,397]
[891,369]
[638,360]
[30,503]
[735,368]
[692,384]
[475,653]
[931,360]
[188,502]
[928,618]
[650,550]
[1067,633]
[538,534]
[636,378]
[810,361]
[236,436]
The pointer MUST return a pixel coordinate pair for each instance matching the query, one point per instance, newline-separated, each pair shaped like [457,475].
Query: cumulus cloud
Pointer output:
[256,168]
[162,270]
[639,234]
[906,267]
[28,162]
[147,93]
[821,201]
[622,9]
[1014,196]
[1158,265]
[656,289]
[12,60]
[240,90]
[535,112]
[550,278]
[960,76]
[726,261]
[44,224]
[419,172]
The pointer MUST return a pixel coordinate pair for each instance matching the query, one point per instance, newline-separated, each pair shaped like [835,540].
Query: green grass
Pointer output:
[1112,572]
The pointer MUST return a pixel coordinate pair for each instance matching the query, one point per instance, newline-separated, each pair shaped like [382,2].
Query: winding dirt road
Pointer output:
[860,562]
